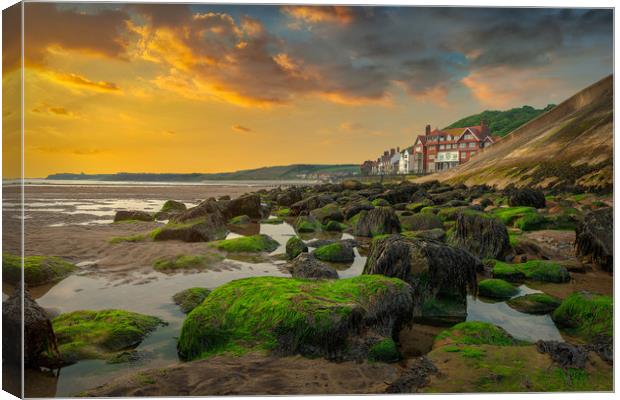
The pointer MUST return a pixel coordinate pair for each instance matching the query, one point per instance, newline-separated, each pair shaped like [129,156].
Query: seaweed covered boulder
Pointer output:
[535,270]
[534,303]
[526,197]
[40,345]
[353,208]
[475,333]
[587,315]
[420,222]
[434,269]
[101,334]
[330,212]
[38,270]
[208,227]
[378,221]
[496,289]
[289,197]
[303,207]
[335,319]
[189,299]
[294,247]
[306,224]
[248,204]
[133,216]
[170,207]
[594,238]
[307,266]
[248,244]
[483,236]
[340,252]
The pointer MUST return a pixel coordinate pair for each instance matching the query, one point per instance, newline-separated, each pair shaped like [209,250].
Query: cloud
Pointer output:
[79,82]
[241,129]
[58,111]
[319,14]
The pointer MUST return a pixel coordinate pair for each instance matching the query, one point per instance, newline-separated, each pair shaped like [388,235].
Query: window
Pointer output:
[431,157]
[463,154]
[463,145]
[472,145]
[442,147]
[467,136]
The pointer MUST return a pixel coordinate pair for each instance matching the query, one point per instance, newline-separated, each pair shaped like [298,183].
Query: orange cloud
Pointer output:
[54,110]
[316,14]
[241,128]
[78,81]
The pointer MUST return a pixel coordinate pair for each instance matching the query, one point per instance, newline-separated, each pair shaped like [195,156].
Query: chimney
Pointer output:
[428,130]
[398,149]
[484,126]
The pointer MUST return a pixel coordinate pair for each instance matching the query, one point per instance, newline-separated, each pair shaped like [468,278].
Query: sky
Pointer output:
[207,88]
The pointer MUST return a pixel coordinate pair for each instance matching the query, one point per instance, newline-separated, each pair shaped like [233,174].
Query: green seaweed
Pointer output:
[247,244]
[496,288]
[587,315]
[38,270]
[384,351]
[477,333]
[189,299]
[536,270]
[184,261]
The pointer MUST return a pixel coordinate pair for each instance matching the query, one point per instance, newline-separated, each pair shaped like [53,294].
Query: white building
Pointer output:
[406,160]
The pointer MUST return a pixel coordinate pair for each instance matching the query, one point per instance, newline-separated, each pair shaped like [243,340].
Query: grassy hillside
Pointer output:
[502,122]
[287,172]
[570,146]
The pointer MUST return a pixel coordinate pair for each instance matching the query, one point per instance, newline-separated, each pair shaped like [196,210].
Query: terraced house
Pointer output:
[436,150]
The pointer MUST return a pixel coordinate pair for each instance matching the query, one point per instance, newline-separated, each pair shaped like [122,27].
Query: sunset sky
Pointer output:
[203,88]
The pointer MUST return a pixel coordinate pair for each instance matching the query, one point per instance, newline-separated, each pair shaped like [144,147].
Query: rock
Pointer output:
[223,198]
[353,208]
[172,206]
[330,212]
[306,205]
[587,315]
[249,205]
[337,319]
[189,299]
[294,247]
[352,184]
[289,197]
[336,252]
[475,332]
[417,375]
[594,237]
[240,220]
[333,226]
[89,334]
[526,197]
[380,202]
[38,270]
[433,234]
[307,266]
[40,345]
[431,268]
[481,235]
[535,303]
[316,243]
[133,216]
[496,289]
[535,270]
[447,196]
[564,354]
[306,224]
[210,208]
[400,193]
[378,221]
[248,244]
[420,222]
[203,229]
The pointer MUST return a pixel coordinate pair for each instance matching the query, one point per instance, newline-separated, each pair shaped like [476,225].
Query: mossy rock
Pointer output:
[189,299]
[417,207]
[534,303]
[380,203]
[133,216]
[172,206]
[296,316]
[186,262]
[202,229]
[535,270]
[335,252]
[446,214]
[586,315]
[38,270]
[100,334]
[248,244]
[433,234]
[330,212]
[283,212]
[305,224]
[496,289]
[420,222]
[272,221]
[476,333]
[334,226]
[294,247]
[530,222]
[384,350]
[508,215]
[240,220]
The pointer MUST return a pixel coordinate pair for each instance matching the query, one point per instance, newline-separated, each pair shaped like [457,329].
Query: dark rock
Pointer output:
[204,229]
[446,197]
[133,216]
[564,354]
[307,266]
[316,243]
[378,221]
[434,234]
[420,222]
[430,267]
[339,252]
[594,237]
[481,235]
[303,207]
[294,247]
[526,197]
[40,345]
[416,376]
[329,212]
[223,198]
[249,205]
[205,208]
[289,197]
[353,208]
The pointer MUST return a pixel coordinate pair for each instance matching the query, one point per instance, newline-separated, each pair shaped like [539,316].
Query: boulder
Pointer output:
[294,247]
[526,197]
[203,229]
[586,315]
[481,235]
[307,266]
[40,345]
[124,215]
[189,299]
[535,270]
[248,244]
[341,252]
[447,196]
[594,237]
[534,303]
[205,208]
[564,354]
[431,268]
[420,222]
[38,270]
[329,212]
[496,289]
[340,319]
[240,220]
[352,184]
[378,221]
[249,205]
[353,208]
[289,197]
[303,207]
[306,224]
[170,208]
[433,234]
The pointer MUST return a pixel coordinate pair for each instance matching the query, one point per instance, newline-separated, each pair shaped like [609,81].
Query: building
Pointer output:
[406,159]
